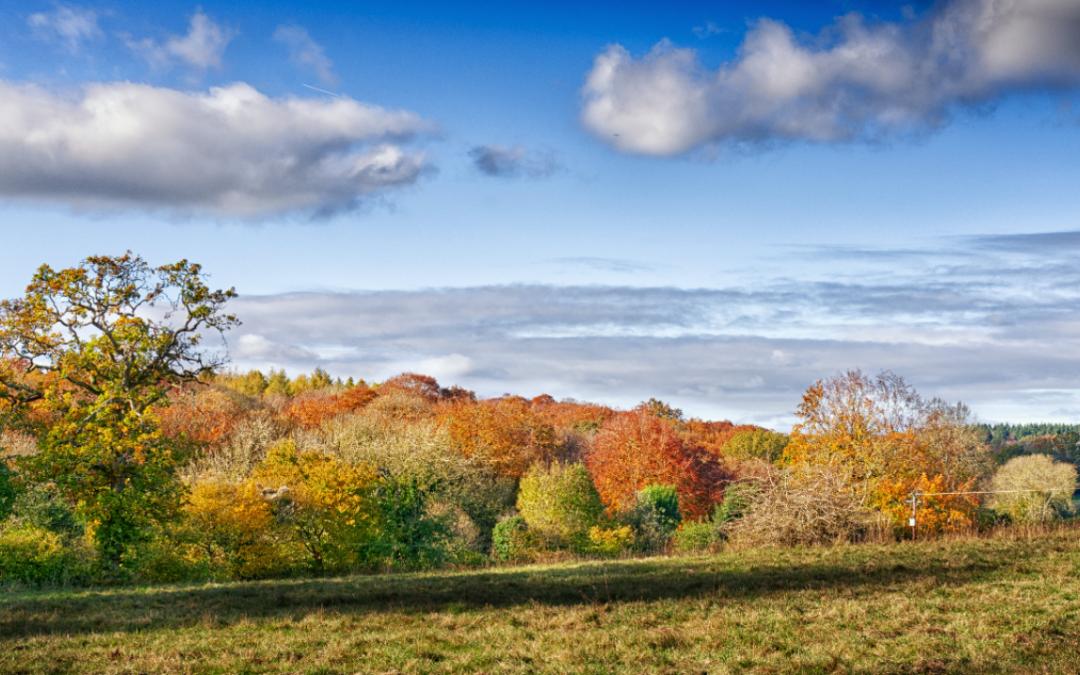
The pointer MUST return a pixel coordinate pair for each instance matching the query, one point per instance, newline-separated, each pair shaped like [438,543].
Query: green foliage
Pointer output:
[8,492]
[761,444]
[32,555]
[42,506]
[510,539]
[658,408]
[251,383]
[119,473]
[738,497]
[162,559]
[655,516]
[278,384]
[409,537]
[696,536]
[996,434]
[560,504]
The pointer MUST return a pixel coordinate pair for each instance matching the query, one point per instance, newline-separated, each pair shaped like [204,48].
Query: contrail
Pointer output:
[322,90]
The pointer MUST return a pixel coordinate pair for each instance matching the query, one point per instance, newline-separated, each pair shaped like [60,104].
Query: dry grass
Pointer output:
[1005,604]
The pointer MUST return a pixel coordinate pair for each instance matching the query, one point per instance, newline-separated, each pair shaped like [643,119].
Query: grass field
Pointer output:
[1005,604]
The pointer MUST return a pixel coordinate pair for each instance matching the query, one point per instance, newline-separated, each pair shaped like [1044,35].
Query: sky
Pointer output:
[714,204]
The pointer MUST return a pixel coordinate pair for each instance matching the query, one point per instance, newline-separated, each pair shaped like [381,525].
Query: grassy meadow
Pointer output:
[1008,603]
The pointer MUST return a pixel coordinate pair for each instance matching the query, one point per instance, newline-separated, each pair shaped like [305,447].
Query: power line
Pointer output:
[916,495]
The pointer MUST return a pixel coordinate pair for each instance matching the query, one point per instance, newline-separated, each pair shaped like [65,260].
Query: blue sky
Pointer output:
[711,203]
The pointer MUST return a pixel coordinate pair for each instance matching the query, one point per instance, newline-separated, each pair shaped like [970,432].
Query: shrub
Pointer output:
[738,498]
[163,560]
[42,506]
[610,541]
[409,537]
[232,531]
[655,517]
[560,504]
[696,536]
[32,555]
[1051,486]
[814,507]
[511,540]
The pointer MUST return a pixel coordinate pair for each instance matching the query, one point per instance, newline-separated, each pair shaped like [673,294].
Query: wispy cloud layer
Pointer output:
[857,80]
[71,25]
[997,334]
[201,48]
[306,53]
[231,151]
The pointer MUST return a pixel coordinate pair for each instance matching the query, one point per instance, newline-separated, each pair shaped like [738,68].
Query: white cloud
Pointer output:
[857,80]
[446,367]
[71,25]
[306,53]
[201,48]
[229,151]
[252,347]
[514,162]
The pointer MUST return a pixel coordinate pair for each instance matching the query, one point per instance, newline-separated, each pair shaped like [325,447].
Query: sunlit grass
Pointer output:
[1007,604]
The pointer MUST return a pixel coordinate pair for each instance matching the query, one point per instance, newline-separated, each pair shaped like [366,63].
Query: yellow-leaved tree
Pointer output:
[327,506]
[886,441]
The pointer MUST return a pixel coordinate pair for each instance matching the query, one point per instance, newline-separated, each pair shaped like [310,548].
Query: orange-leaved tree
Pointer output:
[312,410]
[636,449]
[507,433]
[712,436]
[202,416]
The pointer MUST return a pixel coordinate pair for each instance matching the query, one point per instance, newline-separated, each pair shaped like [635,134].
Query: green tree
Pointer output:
[761,444]
[559,504]
[251,383]
[278,383]
[658,408]
[655,516]
[98,346]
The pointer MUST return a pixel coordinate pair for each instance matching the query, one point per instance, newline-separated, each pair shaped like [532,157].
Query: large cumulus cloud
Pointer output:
[856,80]
[229,151]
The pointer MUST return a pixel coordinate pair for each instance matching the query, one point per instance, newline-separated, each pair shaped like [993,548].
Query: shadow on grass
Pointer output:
[729,576]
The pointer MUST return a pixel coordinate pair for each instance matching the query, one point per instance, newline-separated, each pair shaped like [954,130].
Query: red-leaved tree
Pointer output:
[636,449]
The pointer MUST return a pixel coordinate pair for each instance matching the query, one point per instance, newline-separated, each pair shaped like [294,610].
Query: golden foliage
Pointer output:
[327,504]
[235,530]
[935,513]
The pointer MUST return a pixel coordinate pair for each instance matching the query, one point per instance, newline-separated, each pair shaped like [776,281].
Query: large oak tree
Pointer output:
[94,349]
